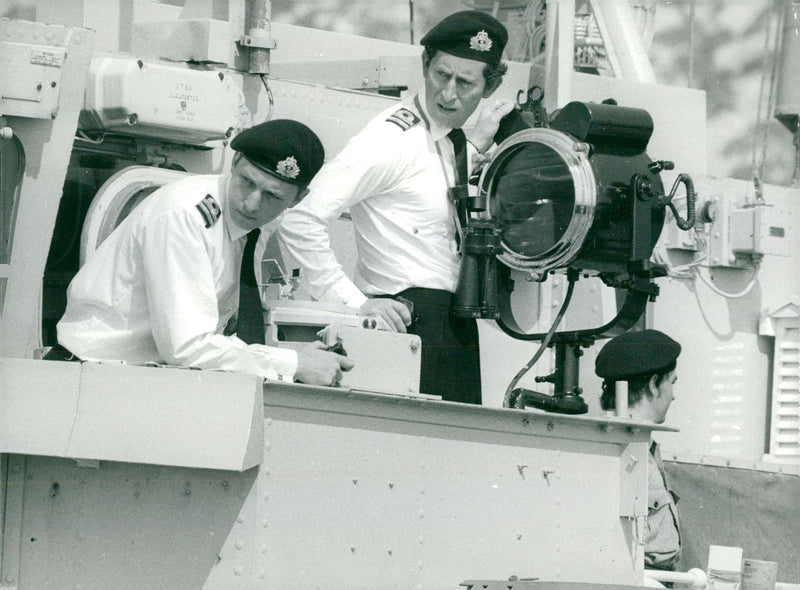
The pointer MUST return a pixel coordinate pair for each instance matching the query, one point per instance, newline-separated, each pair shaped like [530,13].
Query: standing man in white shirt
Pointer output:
[400,180]
[164,286]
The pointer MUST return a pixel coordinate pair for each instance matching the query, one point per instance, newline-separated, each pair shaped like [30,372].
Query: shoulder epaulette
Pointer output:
[403,118]
[209,209]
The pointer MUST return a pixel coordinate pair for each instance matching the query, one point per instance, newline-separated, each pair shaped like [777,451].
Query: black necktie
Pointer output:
[460,189]
[250,327]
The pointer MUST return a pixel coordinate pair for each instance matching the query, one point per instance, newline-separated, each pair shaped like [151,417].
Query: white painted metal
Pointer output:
[335,115]
[47,155]
[621,398]
[31,74]
[721,403]
[115,200]
[188,39]
[783,325]
[560,52]
[299,44]
[116,412]
[694,578]
[355,490]
[624,40]
[385,361]
[175,103]
[429,493]
[126,525]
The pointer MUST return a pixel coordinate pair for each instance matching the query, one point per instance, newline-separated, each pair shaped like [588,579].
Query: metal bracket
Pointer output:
[13,491]
[633,480]
[257,41]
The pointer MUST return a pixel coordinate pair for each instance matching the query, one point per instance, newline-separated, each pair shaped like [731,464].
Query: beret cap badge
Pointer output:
[288,167]
[481,42]
[470,34]
[285,149]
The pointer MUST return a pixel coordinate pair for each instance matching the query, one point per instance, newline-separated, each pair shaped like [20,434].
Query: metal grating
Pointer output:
[785,417]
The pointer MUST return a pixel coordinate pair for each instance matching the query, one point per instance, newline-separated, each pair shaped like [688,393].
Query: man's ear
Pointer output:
[491,85]
[652,386]
[301,194]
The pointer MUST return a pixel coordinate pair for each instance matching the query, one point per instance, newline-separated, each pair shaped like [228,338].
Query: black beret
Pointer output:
[470,33]
[286,149]
[636,353]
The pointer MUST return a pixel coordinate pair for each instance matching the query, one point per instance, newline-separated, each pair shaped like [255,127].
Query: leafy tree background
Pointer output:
[719,46]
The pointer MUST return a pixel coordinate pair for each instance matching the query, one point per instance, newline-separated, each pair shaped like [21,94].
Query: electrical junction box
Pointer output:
[760,229]
[740,236]
[166,102]
[30,79]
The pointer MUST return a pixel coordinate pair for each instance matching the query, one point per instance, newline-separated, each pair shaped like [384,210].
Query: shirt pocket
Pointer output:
[657,498]
[662,544]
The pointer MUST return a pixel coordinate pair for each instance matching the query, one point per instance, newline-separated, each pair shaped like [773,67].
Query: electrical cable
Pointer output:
[742,293]
[543,346]
[411,22]
[82,136]
[270,98]
[692,270]
[692,19]
[10,214]
[683,271]
[760,140]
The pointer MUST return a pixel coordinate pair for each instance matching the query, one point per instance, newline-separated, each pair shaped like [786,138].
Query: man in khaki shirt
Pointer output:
[647,360]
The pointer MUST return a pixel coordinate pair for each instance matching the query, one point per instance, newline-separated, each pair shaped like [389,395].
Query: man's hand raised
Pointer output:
[488,121]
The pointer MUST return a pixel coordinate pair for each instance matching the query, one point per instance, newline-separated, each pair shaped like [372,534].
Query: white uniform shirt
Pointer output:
[163,287]
[393,181]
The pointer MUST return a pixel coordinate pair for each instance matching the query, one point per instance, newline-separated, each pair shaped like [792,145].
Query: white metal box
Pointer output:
[30,79]
[167,102]
[385,361]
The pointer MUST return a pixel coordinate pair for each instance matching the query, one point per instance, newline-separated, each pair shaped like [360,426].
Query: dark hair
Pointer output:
[637,387]
[491,72]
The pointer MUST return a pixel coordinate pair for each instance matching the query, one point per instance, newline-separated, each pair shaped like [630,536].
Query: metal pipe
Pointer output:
[694,578]
[566,49]
[787,101]
[621,398]
[559,53]
[411,21]
[559,56]
[257,39]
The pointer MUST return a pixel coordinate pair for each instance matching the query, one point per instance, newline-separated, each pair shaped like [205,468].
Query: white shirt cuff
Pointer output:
[345,292]
[282,361]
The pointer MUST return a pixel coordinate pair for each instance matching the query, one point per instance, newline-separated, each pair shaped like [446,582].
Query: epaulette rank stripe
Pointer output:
[209,209]
[403,118]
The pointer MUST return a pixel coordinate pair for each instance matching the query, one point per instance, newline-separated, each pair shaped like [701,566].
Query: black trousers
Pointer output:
[450,356]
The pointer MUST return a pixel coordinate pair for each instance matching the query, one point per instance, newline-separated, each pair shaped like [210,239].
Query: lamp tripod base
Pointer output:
[567,396]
